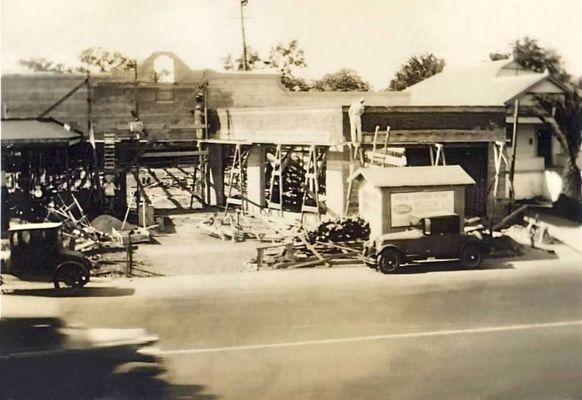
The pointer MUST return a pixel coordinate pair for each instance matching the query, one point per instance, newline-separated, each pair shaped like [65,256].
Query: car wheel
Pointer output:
[71,274]
[388,261]
[471,256]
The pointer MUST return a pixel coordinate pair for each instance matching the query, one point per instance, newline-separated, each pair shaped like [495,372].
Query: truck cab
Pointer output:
[437,237]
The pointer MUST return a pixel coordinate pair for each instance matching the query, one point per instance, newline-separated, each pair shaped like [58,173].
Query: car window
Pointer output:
[25,237]
[15,238]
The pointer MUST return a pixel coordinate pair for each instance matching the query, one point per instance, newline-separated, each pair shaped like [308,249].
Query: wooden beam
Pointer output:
[62,99]
[428,136]
[190,153]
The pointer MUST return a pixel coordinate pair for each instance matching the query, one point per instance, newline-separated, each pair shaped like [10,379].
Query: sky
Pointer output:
[374,37]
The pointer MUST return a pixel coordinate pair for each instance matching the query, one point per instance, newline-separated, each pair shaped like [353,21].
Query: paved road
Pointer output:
[511,331]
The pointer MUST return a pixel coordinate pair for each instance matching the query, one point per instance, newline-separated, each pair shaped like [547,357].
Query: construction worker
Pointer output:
[355,113]
[109,190]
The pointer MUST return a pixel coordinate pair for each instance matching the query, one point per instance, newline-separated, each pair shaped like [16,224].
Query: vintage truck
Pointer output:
[432,238]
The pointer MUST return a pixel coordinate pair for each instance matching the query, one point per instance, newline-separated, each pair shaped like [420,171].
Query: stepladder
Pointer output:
[235,193]
[311,185]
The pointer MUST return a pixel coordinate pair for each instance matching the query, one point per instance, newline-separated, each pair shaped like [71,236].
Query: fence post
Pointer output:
[129,258]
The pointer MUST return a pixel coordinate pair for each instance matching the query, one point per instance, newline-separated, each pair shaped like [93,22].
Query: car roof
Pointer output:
[35,226]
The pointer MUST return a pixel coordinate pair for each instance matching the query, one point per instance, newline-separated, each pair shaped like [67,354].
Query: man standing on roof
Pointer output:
[355,113]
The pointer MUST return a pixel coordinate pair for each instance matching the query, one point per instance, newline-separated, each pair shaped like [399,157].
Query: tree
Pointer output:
[254,62]
[416,69]
[44,65]
[344,80]
[564,117]
[97,59]
[529,54]
[93,59]
[287,59]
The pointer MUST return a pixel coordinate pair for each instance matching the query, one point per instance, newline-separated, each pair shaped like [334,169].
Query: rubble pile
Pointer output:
[106,223]
[344,230]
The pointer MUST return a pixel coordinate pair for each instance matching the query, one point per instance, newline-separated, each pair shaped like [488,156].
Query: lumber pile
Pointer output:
[298,252]
[474,226]
[338,231]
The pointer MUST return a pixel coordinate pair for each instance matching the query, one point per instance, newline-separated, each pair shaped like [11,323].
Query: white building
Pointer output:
[539,156]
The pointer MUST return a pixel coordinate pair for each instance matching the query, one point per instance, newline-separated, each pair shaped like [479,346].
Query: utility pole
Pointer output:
[135,89]
[243,3]
[514,152]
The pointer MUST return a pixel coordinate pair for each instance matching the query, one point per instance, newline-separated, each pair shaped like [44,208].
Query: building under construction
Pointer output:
[252,143]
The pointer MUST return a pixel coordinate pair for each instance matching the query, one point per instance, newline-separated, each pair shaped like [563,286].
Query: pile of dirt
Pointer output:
[105,223]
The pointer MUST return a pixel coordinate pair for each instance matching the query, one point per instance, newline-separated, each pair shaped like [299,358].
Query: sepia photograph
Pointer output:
[291,199]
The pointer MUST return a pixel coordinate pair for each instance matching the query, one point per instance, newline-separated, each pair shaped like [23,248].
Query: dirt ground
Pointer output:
[187,251]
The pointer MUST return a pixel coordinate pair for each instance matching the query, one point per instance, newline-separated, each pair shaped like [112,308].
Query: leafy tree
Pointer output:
[93,59]
[97,59]
[44,65]
[344,80]
[254,61]
[529,54]
[566,126]
[416,69]
[287,59]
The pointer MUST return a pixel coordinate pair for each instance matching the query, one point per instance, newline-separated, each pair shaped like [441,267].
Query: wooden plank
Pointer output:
[510,217]
[312,249]
[176,154]
[401,137]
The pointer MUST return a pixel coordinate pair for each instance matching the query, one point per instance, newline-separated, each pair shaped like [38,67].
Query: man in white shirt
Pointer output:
[355,113]
[109,188]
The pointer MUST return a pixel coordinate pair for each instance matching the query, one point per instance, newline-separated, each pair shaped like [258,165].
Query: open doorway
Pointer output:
[544,146]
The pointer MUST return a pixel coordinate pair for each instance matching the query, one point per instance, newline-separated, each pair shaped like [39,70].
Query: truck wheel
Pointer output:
[388,261]
[471,256]
[71,274]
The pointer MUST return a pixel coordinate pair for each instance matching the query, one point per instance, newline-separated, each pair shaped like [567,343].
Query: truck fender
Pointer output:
[392,247]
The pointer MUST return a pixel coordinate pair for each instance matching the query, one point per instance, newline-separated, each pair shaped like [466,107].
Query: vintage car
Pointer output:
[433,238]
[42,357]
[37,253]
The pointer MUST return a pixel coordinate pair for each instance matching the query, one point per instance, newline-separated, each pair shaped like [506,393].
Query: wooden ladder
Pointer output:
[235,180]
[276,179]
[311,185]
[109,151]
[437,154]
[501,161]
[200,179]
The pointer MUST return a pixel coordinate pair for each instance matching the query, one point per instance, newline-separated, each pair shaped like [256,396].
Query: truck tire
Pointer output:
[72,274]
[389,260]
[471,256]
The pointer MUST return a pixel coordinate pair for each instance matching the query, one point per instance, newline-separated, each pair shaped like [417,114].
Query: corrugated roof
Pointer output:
[37,131]
[441,175]
[489,84]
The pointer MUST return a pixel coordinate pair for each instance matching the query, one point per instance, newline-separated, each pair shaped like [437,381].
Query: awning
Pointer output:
[17,132]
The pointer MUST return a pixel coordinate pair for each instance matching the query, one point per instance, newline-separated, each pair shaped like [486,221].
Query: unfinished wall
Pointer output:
[280,124]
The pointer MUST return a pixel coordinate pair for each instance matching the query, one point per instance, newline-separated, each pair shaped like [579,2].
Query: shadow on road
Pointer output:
[80,292]
[74,382]
[153,389]
[447,266]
